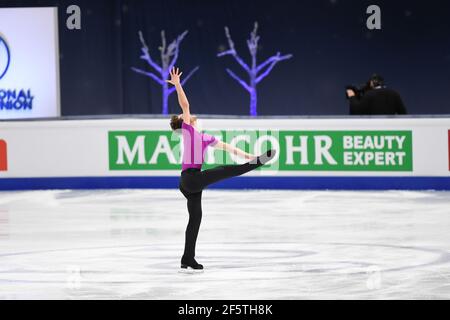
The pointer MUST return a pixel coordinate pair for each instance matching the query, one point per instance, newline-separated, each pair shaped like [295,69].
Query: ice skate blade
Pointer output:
[189,270]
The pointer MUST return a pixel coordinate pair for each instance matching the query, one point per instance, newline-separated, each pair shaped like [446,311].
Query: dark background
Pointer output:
[329,40]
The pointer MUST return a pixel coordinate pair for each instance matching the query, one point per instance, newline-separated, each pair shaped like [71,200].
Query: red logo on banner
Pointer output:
[3,156]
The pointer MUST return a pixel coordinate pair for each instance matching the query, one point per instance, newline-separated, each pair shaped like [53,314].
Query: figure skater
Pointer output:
[193,180]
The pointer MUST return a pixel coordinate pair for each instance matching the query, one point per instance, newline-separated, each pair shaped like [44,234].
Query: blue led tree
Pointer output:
[169,56]
[256,72]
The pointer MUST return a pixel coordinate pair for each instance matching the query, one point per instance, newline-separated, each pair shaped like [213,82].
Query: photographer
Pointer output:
[374,99]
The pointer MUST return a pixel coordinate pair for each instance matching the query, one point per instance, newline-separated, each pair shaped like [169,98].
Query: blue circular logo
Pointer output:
[5,57]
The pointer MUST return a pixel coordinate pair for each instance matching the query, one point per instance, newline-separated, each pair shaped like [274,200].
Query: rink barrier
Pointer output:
[313,153]
[268,183]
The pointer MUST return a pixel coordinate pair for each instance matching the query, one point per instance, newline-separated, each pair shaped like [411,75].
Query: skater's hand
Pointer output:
[175,75]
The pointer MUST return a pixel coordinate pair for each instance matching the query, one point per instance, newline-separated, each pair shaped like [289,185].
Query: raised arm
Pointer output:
[236,151]
[175,75]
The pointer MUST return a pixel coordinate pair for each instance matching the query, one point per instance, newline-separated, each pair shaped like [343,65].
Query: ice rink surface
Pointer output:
[126,244]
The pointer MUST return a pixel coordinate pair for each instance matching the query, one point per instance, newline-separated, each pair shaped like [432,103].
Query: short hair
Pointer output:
[176,122]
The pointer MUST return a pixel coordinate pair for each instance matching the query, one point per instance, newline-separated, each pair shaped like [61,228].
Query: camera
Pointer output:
[374,81]
[359,90]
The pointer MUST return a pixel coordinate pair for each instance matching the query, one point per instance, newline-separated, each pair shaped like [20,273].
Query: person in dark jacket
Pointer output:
[377,100]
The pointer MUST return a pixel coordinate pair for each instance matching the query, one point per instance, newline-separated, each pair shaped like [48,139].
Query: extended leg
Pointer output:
[217,174]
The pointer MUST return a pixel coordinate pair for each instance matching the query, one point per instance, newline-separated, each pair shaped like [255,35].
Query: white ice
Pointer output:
[126,244]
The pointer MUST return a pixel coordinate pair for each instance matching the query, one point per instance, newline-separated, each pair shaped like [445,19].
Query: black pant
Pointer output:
[192,183]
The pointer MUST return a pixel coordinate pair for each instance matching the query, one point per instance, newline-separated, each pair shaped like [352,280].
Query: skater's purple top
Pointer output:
[195,144]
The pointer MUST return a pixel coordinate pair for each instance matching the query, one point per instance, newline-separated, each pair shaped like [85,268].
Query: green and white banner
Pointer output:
[297,150]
